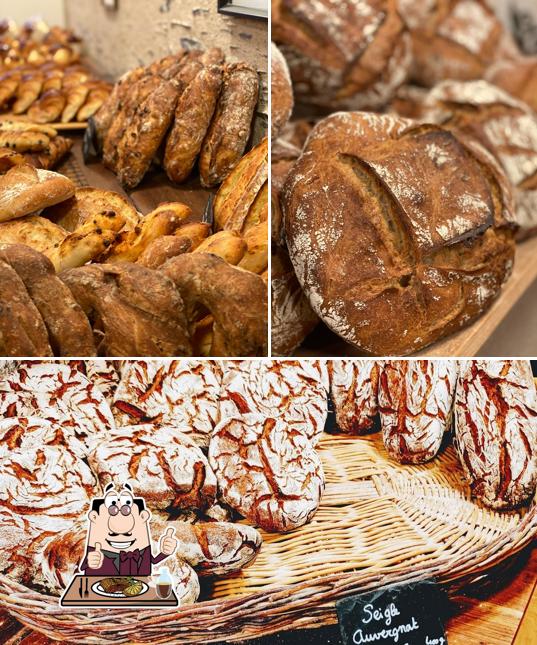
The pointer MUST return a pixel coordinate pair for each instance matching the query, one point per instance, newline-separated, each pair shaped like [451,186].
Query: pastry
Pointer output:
[271,476]
[74,99]
[388,262]
[48,108]
[230,128]
[28,90]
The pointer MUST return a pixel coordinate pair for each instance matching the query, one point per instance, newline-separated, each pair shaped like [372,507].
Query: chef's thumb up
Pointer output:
[95,558]
[168,543]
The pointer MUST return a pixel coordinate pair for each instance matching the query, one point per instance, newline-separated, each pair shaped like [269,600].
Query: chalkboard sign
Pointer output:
[411,614]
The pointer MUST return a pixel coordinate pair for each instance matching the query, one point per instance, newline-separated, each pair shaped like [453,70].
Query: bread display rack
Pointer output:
[378,523]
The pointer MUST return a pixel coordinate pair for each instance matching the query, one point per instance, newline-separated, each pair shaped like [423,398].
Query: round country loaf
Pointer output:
[399,234]
[350,54]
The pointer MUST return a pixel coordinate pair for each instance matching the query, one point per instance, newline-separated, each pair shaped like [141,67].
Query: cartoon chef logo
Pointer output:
[119,541]
[118,549]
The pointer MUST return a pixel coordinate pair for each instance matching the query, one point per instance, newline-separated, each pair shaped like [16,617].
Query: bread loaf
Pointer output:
[137,311]
[270,475]
[504,125]
[230,128]
[281,92]
[354,389]
[102,374]
[454,39]
[496,431]
[345,55]
[292,316]
[164,466]
[295,391]
[183,394]
[216,548]
[193,115]
[389,262]
[415,402]
[517,76]
[25,190]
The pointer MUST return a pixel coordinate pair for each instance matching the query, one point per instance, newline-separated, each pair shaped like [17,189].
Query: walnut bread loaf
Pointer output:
[399,233]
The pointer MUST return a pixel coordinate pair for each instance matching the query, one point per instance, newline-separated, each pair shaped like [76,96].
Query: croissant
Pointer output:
[28,91]
[96,97]
[75,98]
[48,108]
[8,86]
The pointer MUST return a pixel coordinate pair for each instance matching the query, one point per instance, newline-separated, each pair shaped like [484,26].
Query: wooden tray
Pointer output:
[72,125]
[466,342]
[379,523]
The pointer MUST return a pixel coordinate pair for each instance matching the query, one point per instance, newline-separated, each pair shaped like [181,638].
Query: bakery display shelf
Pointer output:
[378,523]
[468,341]
[154,189]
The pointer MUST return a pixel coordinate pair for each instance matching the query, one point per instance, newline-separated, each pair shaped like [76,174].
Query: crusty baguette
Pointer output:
[256,257]
[25,190]
[227,245]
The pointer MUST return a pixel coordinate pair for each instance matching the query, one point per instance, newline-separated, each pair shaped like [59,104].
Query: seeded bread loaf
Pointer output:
[389,261]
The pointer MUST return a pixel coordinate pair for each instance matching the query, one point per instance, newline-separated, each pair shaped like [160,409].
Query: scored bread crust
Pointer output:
[496,431]
[230,128]
[267,473]
[390,262]
[193,115]
[349,55]
[354,390]
[68,328]
[135,311]
[415,401]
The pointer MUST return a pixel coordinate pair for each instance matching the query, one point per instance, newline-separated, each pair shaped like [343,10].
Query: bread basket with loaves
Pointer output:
[368,520]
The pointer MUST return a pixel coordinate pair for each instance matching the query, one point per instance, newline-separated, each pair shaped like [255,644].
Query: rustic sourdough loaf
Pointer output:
[496,431]
[504,125]
[399,233]
[455,39]
[347,54]
[518,76]
[354,389]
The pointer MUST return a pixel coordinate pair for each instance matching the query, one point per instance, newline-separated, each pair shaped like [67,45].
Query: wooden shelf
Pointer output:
[466,342]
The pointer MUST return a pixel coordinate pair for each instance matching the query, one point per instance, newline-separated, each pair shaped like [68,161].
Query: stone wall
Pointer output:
[140,31]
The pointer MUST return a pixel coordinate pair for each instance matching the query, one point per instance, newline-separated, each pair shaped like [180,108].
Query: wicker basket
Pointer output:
[378,523]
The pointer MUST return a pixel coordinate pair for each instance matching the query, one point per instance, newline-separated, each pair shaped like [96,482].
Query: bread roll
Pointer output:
[25,190]
[272,477]
[354,389]
[281,92]
[496,431]
[390,262]
[230,128]
[415,400]
[345,55]
[505,126]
